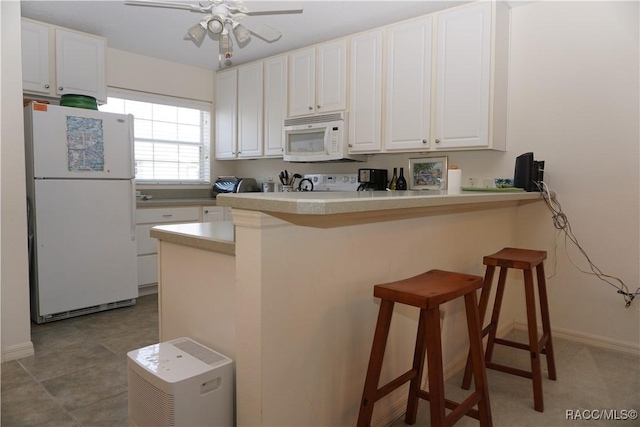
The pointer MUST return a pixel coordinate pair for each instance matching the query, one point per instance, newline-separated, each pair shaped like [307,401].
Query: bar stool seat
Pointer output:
[426,292]
[525,260]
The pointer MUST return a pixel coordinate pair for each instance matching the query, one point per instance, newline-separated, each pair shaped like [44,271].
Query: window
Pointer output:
[172,137]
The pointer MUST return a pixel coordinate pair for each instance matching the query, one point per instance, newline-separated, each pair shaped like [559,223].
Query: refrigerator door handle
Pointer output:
[132,146]
[133,209]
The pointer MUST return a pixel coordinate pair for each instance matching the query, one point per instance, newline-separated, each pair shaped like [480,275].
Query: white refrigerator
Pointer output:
[81,205]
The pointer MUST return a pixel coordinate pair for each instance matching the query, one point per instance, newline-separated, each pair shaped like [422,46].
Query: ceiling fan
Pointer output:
[222,15]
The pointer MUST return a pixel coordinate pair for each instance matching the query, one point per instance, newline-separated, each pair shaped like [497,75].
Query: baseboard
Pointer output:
[589,339]
[147,290]
[17,351]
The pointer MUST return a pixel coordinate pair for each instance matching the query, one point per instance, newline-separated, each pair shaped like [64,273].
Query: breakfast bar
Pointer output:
[294,306]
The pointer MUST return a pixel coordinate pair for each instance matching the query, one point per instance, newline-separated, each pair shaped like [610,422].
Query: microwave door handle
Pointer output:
[327,142]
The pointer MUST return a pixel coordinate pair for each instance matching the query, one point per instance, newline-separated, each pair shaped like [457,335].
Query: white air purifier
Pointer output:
[179,383]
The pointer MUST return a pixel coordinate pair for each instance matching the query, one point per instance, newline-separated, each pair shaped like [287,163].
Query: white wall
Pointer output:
[14,277]
[573,101]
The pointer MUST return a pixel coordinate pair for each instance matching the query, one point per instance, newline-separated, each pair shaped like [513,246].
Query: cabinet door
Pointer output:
[250,110]
[226,113]
[212,213]
[331,83]
[365,105]
[35,58]
[463,77]
[408,90]
[147,269]
[275,104]
[302,86]
[80,65]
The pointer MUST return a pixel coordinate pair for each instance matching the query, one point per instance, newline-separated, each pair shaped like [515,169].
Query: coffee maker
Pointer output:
[372,179]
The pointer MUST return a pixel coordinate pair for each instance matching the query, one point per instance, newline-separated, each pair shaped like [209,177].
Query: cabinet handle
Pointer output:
[207,211]
[60,88]
[437,141]
[46,86]
[424,141]
[350,145]
[319,107]
[310,108]
[167,215]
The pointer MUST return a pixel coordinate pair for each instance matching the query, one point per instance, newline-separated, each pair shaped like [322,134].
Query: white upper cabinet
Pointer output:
[467,87]
[80,65]
[318,79]
[302,87]
[35,58]
[408,85]
[226,114]
[275,104]
[365,105]
[331,93]
[73,64]
[250,110]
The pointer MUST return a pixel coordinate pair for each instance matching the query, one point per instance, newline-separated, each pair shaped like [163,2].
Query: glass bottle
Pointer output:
[394,179]
[401,183]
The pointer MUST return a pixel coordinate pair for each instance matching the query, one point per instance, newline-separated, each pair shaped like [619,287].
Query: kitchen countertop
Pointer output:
[210,236]
[339,202]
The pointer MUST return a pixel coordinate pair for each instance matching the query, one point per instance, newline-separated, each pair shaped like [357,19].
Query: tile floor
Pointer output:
[78,375]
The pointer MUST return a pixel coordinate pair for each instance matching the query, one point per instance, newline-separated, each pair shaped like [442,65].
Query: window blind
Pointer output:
[172,136]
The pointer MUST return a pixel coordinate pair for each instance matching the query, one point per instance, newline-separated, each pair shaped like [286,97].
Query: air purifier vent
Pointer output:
[199,352]
[153,407]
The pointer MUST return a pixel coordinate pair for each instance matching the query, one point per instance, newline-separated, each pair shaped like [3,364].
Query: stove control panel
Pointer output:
[333,182]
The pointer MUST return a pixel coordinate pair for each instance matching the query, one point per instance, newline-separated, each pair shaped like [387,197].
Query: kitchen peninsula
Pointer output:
[295,308]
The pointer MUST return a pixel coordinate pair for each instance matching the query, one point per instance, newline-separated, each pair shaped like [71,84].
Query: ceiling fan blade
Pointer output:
[166,4]
[261,30]
[270,7]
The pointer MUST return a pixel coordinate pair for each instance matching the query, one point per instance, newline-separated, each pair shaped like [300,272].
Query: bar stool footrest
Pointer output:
[394,384]
[473,400]
[509,370]
[542,344]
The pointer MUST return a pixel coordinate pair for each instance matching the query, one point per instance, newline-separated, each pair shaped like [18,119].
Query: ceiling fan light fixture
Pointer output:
[241,32]
[197,33]
[215,25]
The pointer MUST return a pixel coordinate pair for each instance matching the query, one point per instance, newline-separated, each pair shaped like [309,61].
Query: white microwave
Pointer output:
[320,138]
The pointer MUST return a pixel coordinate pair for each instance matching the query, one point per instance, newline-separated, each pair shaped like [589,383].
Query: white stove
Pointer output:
[332,182]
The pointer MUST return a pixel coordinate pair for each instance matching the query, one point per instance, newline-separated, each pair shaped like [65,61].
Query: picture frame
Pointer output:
[428,173]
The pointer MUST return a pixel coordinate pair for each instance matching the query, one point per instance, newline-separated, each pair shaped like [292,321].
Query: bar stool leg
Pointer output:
[477,357]
[546,322]
[495,316]
[434,363]
[484,302]
[536,370]
[418,368]
[375,363]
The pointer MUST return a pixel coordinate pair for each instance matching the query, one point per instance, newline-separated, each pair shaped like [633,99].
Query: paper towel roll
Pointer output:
[454,180]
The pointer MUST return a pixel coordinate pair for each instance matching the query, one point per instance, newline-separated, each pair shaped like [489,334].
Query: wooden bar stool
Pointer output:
[525,260]
[427,291]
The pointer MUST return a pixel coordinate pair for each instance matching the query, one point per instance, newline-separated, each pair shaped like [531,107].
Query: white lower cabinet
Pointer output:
[216,213]
[146,218]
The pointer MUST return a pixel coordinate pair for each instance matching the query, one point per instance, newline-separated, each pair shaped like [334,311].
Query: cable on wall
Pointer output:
[561,223]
